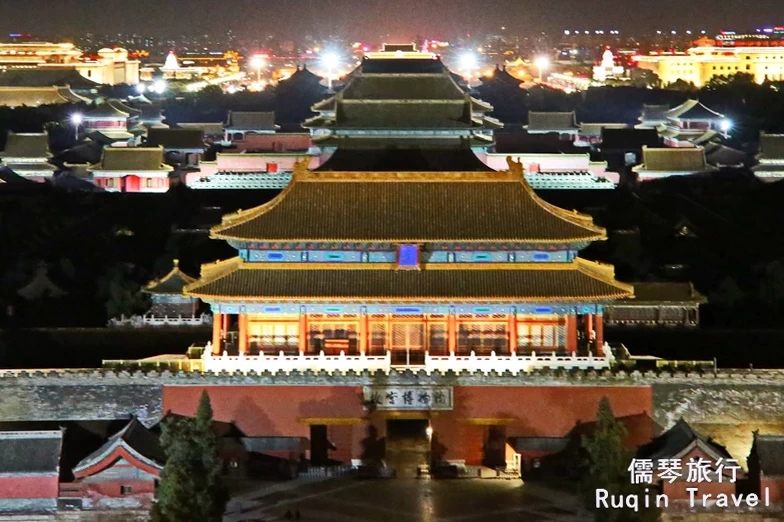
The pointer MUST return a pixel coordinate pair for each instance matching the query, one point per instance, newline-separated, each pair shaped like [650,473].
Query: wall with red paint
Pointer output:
[29,487]
[534,411]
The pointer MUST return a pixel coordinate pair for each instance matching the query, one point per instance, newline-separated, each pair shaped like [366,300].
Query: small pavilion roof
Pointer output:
[409,207]
[26,145]
[137,440]
[140,159]
[31,452]
[578,281]
[251,121]
[170,284]
[678,441]
[551,121]
[692,110]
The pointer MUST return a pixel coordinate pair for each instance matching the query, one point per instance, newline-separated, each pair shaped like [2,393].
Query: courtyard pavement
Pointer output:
[401,500]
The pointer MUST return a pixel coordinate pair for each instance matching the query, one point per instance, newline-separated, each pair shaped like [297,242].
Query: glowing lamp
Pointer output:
[330,60]
[429,431]
[468,61]
[257,62]
[159,86]
[77,119]
[725,125]
[140,88]
[542,62]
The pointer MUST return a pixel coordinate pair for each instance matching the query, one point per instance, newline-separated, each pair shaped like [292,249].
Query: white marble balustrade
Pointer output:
[343,363]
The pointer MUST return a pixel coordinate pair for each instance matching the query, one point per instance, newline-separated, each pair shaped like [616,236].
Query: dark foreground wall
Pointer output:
[727,406]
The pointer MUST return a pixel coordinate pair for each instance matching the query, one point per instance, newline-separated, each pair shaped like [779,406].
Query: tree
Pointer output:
[608,463]
[190,487]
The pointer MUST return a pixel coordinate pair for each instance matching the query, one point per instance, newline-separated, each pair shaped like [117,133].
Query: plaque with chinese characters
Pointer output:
[409,397]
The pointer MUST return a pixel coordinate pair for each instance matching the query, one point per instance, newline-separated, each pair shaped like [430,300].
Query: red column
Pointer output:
[571,333]
[451,332]
[217,323]
[225,326]
[599,335]
[242,335]
[363,333]
[512,332]
[303,332]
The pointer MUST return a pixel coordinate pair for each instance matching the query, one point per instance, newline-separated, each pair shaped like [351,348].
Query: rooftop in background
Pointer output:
[399,52]
[35,96]
[26,146]
[692,110]
[526,143]
[251,121]
[176,139]
[131,159]
[391,158]
[46,78]
[678,441]
[545,122]
[771,147]
[170,284]
[667,292]
[629,139]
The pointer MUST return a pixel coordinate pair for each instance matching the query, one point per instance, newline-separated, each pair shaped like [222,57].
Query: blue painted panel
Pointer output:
[483,310]
[408,310]
[482,256]
[273,309]
[541,256]
[543,310]
[333,309]
[408,256]
[275,256]
[382,257]
[335,256]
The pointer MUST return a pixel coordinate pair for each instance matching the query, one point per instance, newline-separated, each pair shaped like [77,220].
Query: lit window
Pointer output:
[126,490]
[408,256]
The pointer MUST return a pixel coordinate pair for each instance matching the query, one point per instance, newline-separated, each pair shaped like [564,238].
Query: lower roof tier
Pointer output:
[237,281]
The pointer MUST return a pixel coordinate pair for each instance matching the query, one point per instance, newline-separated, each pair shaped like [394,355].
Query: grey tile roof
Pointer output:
[251,121]
[33,145]
[30,451]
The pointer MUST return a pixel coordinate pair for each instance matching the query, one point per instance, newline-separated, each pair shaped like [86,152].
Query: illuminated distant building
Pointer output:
[607,70]
[690,124]
[172,69]
[110,66]
[761,55]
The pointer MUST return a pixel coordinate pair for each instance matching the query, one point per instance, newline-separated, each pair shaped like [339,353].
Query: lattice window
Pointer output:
[533,336]
[437,339]
[378,337]
[482,337]
[273,336]
[408,336]
[319,333]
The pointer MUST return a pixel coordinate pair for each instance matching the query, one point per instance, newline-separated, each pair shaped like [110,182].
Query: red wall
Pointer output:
[535,411]
[776,487]
[29,487]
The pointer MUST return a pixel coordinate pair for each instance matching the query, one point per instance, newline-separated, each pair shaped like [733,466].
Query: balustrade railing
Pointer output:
[343,363]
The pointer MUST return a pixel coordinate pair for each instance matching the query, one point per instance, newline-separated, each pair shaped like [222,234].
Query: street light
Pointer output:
[258,63]
[159,86]
[725,126]
[330,61]
[542,63]
[77,120]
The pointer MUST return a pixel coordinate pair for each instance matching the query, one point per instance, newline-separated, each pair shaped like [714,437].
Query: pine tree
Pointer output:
[608,463]
[190,488]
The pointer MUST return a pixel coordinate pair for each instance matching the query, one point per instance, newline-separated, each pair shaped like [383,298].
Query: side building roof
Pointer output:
[31,452]
[251,121]
[678,441]
[35,96]
[551,121]
[769,450]
[139,159]
[684,159]
[409,207]
[667,292]
[26,145]
[693,110]
[137,441]
[771,147]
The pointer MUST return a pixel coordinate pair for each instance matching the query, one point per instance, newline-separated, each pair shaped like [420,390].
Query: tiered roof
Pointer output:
[400,95]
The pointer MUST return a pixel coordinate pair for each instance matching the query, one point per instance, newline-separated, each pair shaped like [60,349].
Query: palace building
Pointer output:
[374,268]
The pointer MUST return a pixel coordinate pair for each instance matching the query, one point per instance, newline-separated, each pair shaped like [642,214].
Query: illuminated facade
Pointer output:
[699,65]
[367,271]
[109,66]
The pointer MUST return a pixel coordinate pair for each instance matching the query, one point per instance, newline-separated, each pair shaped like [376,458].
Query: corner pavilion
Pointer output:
[374,270]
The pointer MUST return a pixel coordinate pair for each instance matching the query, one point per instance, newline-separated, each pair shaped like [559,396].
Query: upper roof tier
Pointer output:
[399,207]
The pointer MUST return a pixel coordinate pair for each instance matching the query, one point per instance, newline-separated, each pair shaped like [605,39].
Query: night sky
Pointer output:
[372,18]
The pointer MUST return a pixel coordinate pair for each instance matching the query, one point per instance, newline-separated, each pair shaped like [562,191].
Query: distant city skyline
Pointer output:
[400,19]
